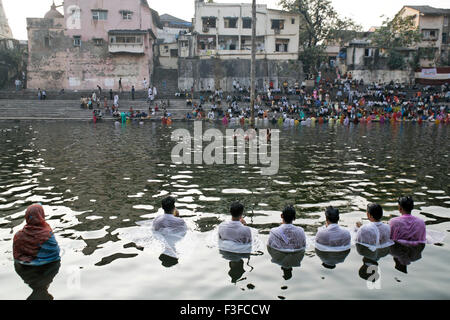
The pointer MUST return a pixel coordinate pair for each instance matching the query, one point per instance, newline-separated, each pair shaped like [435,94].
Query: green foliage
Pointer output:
[320,25]
[11,57]
[312,58]
[13,60]
[395,61]
[399,32]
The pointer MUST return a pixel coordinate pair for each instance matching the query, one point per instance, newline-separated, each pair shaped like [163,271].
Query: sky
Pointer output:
[367,13]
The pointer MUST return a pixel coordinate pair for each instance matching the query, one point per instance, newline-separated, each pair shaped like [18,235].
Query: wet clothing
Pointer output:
[287,237]
[169,221]
[235,231]
[333,238]
[408,229]
[35,244]
[374,235]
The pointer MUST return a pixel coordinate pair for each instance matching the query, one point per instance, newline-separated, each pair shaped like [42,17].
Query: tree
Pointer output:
[396,34]
[321,25]
[399,32]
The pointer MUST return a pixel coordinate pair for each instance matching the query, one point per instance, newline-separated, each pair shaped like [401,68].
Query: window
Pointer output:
[127,15]
[230,23]
[293,21]
[47,42]
[98,42]
[246,23]
[445,21]
[368,52]
[166,49]
[430,34]
[99,14]
[174,53]
[126,39]
[444,38]
[281,45]
[277,24]
[77,41]
[228,42]
[184,43]
[209,22]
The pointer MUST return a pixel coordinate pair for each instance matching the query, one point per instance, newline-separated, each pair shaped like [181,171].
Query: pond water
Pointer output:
[102,185]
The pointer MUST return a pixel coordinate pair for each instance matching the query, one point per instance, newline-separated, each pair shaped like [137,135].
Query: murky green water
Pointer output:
[100,184]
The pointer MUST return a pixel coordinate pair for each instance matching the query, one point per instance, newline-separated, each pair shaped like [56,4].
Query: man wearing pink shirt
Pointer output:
[407,229]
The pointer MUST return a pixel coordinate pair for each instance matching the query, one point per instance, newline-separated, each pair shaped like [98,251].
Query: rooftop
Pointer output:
[430,10]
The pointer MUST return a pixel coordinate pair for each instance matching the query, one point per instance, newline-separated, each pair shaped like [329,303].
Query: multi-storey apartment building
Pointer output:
[433,23]
[224,30]
[93,43]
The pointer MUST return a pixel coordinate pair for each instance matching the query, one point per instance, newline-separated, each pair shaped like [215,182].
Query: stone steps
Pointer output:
[70,109]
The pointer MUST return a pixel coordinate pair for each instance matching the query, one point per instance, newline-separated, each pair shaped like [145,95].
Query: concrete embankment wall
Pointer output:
[383,76]
[216,73]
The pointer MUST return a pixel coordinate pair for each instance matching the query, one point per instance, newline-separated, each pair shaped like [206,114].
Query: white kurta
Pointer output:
[333,238]
[287,238]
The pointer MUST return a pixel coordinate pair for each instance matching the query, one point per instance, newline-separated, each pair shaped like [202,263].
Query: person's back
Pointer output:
[375,234]
[333,237]
[35,244]
[169,220]
[287,236]
[235,230]
[407,229]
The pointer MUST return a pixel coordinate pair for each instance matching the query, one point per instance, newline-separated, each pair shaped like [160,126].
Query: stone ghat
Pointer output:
[70,109]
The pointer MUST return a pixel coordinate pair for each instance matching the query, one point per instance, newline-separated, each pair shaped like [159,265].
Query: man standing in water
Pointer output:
[407,229]
[235,230]
[332,236]
[171,217]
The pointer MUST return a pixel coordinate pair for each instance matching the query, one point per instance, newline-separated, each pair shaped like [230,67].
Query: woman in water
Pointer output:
[35,244]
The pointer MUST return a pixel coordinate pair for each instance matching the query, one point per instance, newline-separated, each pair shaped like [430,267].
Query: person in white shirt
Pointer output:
[235,230]
[150,95]
[170,220]
[332,237]
[376,234]
[287,237]
[145,84]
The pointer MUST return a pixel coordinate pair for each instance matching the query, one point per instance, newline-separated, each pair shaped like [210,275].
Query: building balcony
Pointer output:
[135,48]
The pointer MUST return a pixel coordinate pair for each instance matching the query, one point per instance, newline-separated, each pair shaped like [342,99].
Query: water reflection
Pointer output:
[168,261]
[286,260]
[236,263]
[331,259]
[38,278]
[369,269]
[404,255]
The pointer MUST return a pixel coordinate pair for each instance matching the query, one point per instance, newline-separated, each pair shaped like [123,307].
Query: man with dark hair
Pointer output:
[407,229]
[171,217]
[287,237]
[332,237]
[376,234]
[236,229]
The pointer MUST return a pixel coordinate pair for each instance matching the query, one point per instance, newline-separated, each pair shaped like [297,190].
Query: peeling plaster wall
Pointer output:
[56,63]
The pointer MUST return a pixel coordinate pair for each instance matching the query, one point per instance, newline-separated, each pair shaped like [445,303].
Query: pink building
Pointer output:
[95,42]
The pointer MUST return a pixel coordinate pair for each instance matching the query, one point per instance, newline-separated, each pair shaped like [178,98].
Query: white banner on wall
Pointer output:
[429,73]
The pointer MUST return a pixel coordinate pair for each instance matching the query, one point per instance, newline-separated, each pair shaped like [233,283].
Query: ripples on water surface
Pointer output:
[101,185]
